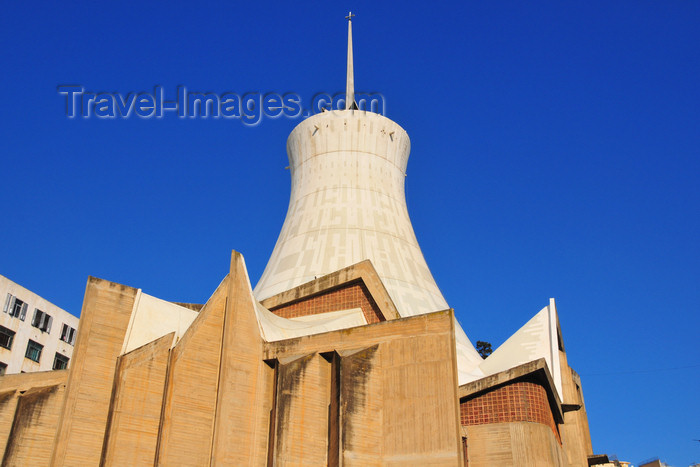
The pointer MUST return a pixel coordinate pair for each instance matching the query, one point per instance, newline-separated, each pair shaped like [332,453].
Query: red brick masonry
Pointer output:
[520,401]
[352,295]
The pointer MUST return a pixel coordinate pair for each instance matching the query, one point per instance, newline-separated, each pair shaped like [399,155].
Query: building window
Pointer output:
[68,334]
[3,368]
[34,351]
[60,362]
[42,320]
[6,337]
[15,307]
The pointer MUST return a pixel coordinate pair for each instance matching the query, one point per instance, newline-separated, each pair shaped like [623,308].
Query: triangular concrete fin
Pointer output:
[538,338]
[245,381]
[191,392]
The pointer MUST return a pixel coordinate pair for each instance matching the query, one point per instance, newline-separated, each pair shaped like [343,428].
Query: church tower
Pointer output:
[348,204]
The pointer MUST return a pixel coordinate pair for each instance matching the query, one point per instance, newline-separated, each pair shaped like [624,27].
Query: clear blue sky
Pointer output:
[555,153]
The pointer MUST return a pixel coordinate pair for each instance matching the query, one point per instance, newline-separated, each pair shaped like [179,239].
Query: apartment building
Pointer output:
[35,334]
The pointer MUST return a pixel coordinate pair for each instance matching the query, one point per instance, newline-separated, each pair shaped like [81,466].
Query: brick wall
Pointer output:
[514,402]
[351,295]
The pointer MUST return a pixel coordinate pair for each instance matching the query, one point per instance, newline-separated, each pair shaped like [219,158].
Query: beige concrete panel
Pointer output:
[303,397]
[361,408]
[420,416]
[515,444]
[489,445]
[245,381]
[26,381]
[190,403]
[10,388]
[534,444]
[8,405]
[104,319]
[575,433]
[34,426]
[132,428]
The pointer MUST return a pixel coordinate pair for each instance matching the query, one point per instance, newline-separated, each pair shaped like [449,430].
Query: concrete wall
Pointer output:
[513,444]
[191,393]
[105,316]
[406,368]
[379,394]
[575,433]
[246,382]
[137,399]
[303,399]
[30,407]
[361,400]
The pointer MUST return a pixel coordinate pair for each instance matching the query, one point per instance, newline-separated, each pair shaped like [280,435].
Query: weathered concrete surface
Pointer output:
[137,399]
[380,394]
[190,403]
[245,382]
[30,441]
[303,396]
[104,319]
[575,434]
[361,411]
[514,444]
[13,386]
[412,379]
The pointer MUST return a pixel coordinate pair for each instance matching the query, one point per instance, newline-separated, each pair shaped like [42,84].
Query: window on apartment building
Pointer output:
[34,351]
[60,362]
[3,368]
[68,334]
[42,320]
[15,307]
[6,337]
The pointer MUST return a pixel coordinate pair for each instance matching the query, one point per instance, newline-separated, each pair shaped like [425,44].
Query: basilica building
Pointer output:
[344,353]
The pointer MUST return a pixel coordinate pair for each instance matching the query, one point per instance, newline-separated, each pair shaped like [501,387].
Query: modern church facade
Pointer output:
[344,353]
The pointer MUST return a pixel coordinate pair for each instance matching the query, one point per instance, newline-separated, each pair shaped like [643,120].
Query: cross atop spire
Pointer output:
[350,83]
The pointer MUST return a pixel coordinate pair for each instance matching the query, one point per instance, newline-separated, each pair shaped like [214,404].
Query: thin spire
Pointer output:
[350,83]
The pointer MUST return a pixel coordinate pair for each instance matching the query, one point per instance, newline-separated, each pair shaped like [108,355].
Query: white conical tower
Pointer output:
[347,204]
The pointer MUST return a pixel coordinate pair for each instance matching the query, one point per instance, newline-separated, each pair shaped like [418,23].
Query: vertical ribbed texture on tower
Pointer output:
[347,205]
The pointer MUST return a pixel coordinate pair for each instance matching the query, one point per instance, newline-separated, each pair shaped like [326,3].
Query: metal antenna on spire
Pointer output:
[350,83]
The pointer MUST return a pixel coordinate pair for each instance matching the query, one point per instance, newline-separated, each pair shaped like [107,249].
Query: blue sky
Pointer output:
[555,153]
